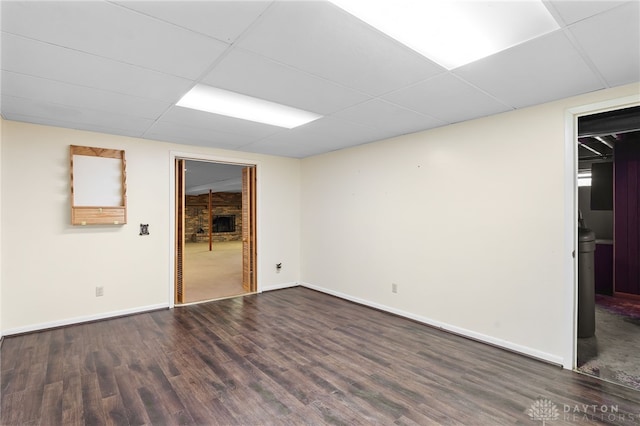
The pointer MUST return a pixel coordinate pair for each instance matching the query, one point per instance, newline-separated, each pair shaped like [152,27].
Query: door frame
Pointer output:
[570,258]
[173,156]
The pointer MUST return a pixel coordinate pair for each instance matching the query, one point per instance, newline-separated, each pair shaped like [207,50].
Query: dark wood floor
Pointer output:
[291,356]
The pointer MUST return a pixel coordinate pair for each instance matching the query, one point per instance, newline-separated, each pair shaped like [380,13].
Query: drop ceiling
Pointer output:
[120,67]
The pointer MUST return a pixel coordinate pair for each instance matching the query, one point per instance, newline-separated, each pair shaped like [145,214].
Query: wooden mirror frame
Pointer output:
[99,215]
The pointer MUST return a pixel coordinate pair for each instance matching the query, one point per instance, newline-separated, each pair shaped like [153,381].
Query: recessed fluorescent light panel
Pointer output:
[453,33]
[231,104]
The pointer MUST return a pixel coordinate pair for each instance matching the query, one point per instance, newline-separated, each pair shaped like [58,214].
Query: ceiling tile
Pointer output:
[43,60]
[612,41]
[394,120]
[447,98]
[321,39]
[222,20]
[253,75]
[541,70]
[323,135]
[218,123]
[574,11]
[50,91]
[297,144]
[111,31]
[340,132]
[190,135]
[66,116]
[309,147]
[68,125]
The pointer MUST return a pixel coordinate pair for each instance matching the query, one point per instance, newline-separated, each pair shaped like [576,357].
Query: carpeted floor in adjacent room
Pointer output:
[613,353]
[212,274]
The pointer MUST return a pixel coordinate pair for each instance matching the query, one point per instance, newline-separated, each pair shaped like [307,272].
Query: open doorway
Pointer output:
[215,230]
[609,205]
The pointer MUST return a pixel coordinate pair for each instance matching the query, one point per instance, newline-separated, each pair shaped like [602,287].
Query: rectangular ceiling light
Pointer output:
[231,104]
[453,33]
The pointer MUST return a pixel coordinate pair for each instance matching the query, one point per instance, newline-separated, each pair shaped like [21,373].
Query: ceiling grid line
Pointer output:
[120,67]
[587,60]
[231,46]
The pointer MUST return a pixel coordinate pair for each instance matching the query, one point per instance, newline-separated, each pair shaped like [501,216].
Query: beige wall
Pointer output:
[50,268]
[467,220]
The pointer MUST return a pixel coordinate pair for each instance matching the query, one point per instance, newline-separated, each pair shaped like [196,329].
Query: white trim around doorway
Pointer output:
[173,155]
[570,292]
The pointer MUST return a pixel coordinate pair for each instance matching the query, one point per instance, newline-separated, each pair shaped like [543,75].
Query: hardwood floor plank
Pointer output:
[72,402]
[30,406]
[40,344]
[183,418]
[52,403]
[104,372]
[55,362]
[334,413]
[134,408]
[115,412]
[199,410]
[221,379]
[18,376]
[410,396]
[157,413]
[281,376]
[92,411]
[241,412]
[8,379]
[11,408]
[344,393]
[269,400]
[164,391]
[286,357]
[10,350]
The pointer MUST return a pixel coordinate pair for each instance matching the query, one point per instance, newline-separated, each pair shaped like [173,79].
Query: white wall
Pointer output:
[467,220]
[279,223]
[1,134]
[50,268]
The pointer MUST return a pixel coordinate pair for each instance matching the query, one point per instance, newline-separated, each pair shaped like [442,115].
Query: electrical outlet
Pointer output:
[99,291]
[394,288]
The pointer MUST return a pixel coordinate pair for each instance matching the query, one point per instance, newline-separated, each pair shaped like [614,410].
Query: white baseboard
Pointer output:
[279,286]
[78,320]
[513,347]
[525,350]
